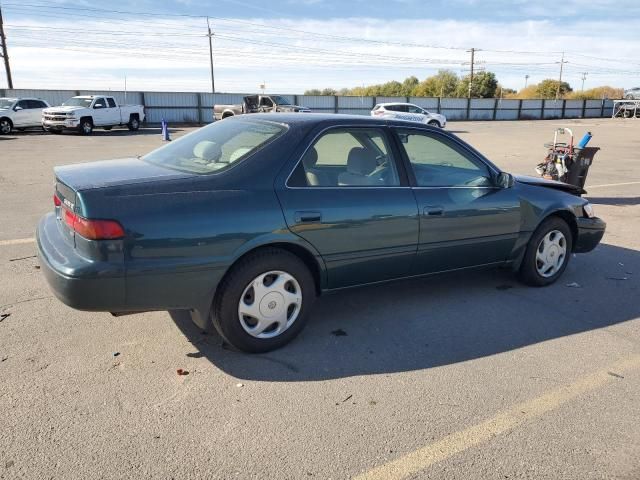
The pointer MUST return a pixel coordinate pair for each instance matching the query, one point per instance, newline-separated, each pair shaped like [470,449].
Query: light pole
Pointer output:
[526,79]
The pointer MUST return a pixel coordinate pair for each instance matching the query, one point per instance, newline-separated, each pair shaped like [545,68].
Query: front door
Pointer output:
[21,114]
[351,201]
[100,112]
[465,219]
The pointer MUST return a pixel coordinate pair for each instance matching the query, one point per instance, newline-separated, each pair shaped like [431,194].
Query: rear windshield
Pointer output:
[216,147]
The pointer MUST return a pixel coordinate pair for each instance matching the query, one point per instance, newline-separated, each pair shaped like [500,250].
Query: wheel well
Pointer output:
[8,119]
[227,114]
[87,118]
[300,252]
[570,218]
[134,115]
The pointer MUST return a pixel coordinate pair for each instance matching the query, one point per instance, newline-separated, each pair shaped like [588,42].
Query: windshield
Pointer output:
[6,102]
[78,102]
[215,147]
[278,100]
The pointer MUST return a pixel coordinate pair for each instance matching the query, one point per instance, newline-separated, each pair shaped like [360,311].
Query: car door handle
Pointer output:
[308,217]
[433,210]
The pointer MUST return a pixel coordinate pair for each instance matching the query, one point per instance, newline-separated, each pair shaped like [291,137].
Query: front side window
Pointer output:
[414,109]
[215,147]
[280,100]
[23,104]
[348,157]
[437,162]
[100,103]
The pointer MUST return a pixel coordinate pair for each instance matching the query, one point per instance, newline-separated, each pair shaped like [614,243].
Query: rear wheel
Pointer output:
[134,123]
[5,126]
[547,254]
[264,301]
[86,126]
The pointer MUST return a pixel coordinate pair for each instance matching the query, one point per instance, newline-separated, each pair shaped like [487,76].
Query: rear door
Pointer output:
[465,219]
[348,196]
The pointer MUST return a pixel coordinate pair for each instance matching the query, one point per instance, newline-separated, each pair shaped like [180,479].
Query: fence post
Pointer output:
[408,99]
[520,109]
[564,107]
[295,99]
[468,108]
[199,96]
[375,101]
[584,107]
[439,105]
[602,108]
[495,108]
[335,104]
[144,104]
[542,110]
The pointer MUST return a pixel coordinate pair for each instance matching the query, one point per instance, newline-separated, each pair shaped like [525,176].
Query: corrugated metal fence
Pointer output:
[190,107]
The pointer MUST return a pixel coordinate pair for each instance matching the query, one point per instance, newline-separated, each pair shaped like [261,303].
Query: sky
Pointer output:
[291,46]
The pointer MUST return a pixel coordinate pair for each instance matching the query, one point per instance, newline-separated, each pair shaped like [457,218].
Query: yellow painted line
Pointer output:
[17,241]
[457,442]
[611,185]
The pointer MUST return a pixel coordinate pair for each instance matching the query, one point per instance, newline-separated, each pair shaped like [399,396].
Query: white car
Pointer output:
[409,112]
[85,112]
[20,113]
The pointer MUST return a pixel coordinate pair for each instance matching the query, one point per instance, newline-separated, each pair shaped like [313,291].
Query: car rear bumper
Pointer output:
[590,232]
[78,282]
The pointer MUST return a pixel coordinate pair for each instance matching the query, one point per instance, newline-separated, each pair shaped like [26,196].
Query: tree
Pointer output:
[548,89]
[442,84]
[484,85]
[329,91]
[598,93]
[313,91]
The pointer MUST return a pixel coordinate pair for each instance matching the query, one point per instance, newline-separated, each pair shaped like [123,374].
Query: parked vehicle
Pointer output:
[84,113]
[20,113]
[632,94]
[257,104]
[244,222]
[409,112]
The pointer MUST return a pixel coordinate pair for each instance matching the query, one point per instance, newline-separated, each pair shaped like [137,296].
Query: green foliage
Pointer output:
[598,93]
[484,85]
[548,89]
[442,84]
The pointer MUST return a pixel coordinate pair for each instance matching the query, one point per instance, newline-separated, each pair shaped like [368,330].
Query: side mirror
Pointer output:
[505,180]
[99,105]
[17,108]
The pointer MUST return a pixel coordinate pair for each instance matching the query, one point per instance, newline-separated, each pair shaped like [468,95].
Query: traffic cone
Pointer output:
[165,131]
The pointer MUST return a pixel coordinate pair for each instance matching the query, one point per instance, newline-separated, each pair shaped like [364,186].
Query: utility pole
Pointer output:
[473,53]
[5,55]
[584,77]
[210,35]
[526,79]
[562,62]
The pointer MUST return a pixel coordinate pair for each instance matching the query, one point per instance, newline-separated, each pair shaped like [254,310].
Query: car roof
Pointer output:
[11,99]
[397,103]
[14,99]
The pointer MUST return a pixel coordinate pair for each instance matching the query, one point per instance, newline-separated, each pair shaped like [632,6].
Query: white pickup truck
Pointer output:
[83,113]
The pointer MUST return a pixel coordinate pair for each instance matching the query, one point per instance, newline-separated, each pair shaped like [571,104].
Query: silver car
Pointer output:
[632,94]
[409,112]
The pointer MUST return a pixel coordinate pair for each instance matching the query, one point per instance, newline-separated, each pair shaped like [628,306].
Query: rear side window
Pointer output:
[347,157]
[36,104]
[111,102]
[216,147]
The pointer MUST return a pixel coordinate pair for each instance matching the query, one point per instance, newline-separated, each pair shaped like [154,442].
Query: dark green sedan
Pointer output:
[246,221]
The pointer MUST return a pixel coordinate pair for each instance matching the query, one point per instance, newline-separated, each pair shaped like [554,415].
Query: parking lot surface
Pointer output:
[468,375]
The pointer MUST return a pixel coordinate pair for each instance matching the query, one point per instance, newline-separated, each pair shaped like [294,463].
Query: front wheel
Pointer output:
[85,127]
[5,126]
[547,253]
[434,123]
[264,301]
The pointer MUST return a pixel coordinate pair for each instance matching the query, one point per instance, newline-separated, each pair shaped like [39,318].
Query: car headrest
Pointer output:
[207,150]
[310,158]
[360,161]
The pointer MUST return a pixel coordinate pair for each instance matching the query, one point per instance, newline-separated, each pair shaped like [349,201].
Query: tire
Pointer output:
[86,126]
[55,131]
[434,123]
[134,123]
[534,271]
[5,126]
[630,97]
[266,268]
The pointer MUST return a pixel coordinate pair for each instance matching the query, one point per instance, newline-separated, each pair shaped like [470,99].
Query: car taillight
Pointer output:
[379,112]
[93,229]
[56,200]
